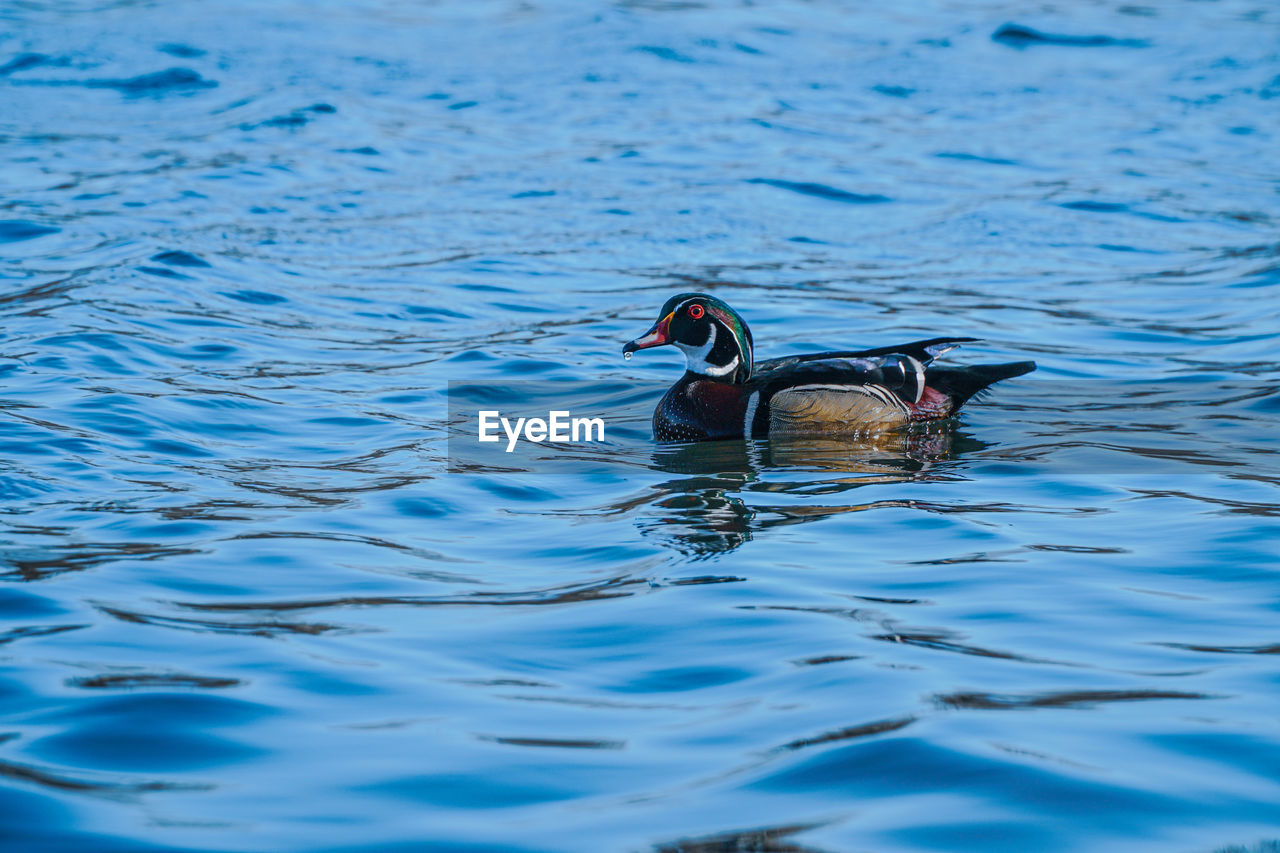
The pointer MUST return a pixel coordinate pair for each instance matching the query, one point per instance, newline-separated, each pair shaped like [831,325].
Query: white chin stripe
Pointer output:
[696,357]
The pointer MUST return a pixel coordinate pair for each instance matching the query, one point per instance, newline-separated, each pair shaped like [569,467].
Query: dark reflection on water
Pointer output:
[246,605]
[701,513]
[769,840]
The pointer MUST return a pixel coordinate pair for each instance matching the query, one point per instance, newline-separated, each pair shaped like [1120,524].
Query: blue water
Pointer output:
[246,606]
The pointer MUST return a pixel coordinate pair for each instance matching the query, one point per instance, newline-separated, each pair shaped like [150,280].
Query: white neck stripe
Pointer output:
[720,371]
[696,357]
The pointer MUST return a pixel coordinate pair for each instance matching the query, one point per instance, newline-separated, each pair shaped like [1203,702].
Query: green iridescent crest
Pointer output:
[741,334]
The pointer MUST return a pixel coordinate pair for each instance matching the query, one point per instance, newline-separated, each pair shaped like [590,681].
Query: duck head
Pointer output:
[714,340]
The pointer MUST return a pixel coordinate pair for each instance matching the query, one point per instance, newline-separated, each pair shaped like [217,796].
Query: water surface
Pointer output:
[245,248]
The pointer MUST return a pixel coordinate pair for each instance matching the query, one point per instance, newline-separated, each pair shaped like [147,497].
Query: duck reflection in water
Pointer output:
[702,513]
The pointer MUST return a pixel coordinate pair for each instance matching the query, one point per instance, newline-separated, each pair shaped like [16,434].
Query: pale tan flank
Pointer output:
[827,409]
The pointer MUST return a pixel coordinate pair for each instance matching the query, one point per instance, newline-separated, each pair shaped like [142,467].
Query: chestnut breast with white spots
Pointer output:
[697,408]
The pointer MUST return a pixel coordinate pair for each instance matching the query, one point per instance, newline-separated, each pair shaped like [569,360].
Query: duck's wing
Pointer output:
[922,351]
[868,389]
[886,374]
[869,393]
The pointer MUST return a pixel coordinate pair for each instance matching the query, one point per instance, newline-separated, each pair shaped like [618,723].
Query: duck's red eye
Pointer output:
[695,311]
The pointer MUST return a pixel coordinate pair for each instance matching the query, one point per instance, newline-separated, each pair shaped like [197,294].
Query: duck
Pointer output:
[725,393]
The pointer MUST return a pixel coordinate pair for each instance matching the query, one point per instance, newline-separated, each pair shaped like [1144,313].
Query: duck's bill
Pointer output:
[655,337]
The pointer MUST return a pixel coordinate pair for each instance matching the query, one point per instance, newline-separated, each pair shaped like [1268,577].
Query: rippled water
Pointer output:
[246,606]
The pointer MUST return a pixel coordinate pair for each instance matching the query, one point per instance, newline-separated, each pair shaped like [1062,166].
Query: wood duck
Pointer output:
[726,393]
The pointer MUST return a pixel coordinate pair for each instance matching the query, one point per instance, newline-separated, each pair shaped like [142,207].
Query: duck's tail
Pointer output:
[963,383]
